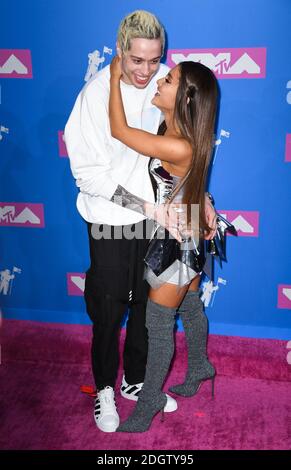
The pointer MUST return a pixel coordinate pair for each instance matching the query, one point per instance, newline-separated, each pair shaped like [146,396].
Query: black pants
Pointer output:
[113,282]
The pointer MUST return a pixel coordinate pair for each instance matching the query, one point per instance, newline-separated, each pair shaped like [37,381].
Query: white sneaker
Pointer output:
[105,414]
[131,392]
[171,404]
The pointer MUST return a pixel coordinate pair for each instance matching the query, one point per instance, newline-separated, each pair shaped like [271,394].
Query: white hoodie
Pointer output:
[98,161]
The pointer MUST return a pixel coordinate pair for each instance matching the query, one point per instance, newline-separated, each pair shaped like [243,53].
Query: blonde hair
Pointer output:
[139,24]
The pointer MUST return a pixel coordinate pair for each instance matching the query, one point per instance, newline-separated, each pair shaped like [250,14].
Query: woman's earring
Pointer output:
[188,100]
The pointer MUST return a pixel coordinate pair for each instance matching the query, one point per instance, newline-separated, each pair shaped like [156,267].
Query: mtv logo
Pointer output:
[245,222]
[15,63]
[247,62]
[76,283]
[62,146]
[15,214]
[284,296]
[288,148]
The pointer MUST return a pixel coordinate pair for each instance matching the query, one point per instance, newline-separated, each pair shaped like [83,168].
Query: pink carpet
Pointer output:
[44,365]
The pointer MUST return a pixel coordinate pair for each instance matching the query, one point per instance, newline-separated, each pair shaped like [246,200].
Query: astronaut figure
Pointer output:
[5,278]
[94,62]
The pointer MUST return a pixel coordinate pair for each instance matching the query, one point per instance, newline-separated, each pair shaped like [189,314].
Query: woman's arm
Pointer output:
[166,148]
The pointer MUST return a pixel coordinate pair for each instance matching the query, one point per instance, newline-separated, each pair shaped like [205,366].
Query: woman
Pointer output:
[187,97]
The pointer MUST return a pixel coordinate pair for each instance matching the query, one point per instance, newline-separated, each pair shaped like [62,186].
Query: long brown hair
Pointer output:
[194,114]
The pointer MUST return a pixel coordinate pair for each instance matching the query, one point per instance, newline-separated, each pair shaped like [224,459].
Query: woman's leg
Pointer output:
[160,320]
[196,330]
[168,295]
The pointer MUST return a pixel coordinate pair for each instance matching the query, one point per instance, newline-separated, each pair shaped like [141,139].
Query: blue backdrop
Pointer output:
[43,61]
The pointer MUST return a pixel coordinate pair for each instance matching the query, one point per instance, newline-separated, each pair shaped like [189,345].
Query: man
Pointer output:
[99,164]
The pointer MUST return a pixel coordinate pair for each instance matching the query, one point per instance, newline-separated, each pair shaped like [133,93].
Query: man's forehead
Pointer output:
[143,57]
[148,49]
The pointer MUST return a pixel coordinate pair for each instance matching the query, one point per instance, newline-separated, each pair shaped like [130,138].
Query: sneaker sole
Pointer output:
[104,428]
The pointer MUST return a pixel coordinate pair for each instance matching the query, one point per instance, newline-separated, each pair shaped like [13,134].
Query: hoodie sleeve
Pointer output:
[88,141]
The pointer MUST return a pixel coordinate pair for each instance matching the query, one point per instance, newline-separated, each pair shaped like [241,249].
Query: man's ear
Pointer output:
[118,50]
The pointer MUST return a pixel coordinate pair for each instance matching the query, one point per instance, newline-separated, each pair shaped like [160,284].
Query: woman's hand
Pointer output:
[211,219]
[167,216]
[115,68]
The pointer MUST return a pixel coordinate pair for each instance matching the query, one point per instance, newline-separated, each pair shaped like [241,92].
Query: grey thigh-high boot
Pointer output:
[160,322]
[195,327]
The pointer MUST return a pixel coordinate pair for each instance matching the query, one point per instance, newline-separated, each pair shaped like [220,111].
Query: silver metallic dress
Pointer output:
[172,262]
